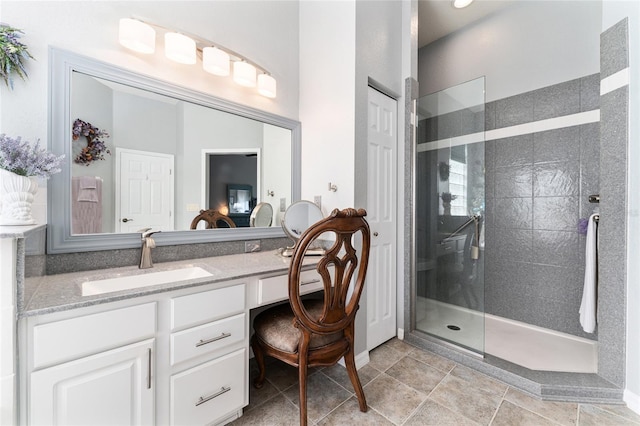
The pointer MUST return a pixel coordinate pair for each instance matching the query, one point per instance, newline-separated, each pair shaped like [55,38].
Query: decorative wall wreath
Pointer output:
[96,148]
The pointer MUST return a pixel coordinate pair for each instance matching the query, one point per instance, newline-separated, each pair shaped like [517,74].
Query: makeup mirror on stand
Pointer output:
[297,218]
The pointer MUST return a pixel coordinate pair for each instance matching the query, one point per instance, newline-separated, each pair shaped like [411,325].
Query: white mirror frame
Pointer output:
[62,64]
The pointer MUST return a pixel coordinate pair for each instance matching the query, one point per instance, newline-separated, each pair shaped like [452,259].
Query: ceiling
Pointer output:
[437,18]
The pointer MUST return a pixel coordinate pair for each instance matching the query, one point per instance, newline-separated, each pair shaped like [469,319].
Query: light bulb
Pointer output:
[267,85]
[215,61]
[180,48]
[244,74]
[137,36]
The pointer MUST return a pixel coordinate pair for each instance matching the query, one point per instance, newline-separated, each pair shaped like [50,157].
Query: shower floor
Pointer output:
[532,347]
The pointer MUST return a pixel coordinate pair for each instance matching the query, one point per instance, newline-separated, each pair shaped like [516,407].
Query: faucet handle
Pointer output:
[147,232]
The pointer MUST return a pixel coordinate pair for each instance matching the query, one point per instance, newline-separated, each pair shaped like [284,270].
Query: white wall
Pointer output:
[264,31]
[612,13]
[516,49]
[327,101]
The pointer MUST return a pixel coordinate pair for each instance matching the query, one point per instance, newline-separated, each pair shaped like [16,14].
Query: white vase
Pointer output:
[17,193]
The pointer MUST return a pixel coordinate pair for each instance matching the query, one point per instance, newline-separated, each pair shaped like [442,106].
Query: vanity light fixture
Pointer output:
[137,36]
[180,48]
[460,4]
[244,74]
[140,36]
[267,85]
[215,61]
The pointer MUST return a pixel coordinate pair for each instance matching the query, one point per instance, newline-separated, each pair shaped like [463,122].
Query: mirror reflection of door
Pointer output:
[232,185]
[144,190]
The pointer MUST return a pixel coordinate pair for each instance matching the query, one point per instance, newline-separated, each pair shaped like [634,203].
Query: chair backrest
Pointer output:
[340,305]
[211,218]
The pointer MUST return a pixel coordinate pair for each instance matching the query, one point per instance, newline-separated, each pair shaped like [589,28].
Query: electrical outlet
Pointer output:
[251,246]
[318,200]
[283,204]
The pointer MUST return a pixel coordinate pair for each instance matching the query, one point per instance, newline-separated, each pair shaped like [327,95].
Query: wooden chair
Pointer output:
[211,217]
[318,332]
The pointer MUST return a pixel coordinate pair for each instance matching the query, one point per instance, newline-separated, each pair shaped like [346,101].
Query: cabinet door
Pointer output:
[112,387]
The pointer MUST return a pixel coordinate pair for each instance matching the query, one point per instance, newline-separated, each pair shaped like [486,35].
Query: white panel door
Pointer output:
[110,388]
[381,215]
[144,191]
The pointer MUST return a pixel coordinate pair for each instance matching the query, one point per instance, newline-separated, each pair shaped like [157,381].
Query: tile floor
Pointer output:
[405,385]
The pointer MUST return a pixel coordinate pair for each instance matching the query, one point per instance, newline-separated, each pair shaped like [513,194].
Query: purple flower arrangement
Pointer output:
[12,55]
[22,158]
[96,148]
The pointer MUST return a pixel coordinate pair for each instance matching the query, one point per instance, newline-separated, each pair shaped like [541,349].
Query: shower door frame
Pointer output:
[413,267]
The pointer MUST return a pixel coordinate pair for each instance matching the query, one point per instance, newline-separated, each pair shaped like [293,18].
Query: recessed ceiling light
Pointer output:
[459,4]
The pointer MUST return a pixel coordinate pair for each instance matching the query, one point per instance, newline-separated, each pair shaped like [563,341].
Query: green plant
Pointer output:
[13,53]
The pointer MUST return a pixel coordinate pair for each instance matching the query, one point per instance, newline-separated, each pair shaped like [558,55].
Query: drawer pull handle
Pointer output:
[204,399]
[317,280]
[213,339]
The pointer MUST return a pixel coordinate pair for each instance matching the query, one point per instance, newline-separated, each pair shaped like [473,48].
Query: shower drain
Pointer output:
[453,327]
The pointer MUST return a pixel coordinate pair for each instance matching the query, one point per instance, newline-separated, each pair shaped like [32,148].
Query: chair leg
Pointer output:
[302,379]
[259,355]
[350,362]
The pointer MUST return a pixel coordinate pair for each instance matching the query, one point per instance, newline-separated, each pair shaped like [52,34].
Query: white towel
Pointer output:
[589,293]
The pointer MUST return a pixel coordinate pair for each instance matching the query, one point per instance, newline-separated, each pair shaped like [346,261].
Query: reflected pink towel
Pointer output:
[86,216]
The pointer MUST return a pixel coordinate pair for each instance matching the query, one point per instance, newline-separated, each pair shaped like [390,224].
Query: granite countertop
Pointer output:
[52,293]
[18,231]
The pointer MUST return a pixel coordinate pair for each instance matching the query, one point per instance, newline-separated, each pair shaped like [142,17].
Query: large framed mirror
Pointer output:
[167,153]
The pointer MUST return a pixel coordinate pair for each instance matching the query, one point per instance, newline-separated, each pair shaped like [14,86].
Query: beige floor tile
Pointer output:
[564,413]
[339,374]
[510,414]
[590,415]
[323,396]
[399,345]
[429,358]
[416,374]
[463,397]
[479,380]
[259,396]
[349,414]
[383,357]
[392,398]
[621,410]
[433,414]
[277,411]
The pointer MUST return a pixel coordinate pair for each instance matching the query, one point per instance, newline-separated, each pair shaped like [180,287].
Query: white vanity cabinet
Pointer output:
[179,357]
[210,326]
[91,369]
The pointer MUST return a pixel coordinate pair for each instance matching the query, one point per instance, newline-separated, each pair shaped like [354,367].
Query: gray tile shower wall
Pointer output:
[614,116]
[537,185]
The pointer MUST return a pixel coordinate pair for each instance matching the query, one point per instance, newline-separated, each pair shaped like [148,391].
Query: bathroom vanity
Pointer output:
[170,353]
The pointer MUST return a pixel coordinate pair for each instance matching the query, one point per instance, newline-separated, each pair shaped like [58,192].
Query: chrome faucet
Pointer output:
[147,244]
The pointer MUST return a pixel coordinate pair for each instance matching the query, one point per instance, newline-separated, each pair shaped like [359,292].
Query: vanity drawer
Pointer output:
[207,338]
[274,289]
[72,338]
[206,306]
[208,392]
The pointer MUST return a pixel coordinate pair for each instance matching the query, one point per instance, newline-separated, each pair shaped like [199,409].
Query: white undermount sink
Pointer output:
[91,288]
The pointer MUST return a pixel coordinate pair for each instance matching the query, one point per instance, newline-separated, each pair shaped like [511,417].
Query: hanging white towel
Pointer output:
[589,293]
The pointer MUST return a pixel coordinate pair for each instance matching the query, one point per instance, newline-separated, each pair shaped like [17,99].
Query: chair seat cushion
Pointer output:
[275,327]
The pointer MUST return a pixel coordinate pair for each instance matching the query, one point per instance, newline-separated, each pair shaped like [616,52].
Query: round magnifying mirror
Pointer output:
[262,215]
[298,217]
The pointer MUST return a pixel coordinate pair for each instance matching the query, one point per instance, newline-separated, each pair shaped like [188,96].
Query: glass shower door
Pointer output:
[450,206]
